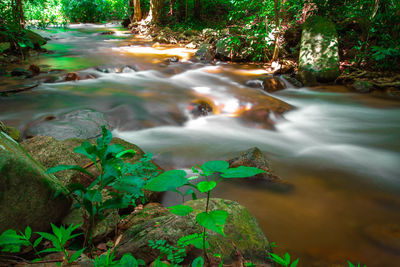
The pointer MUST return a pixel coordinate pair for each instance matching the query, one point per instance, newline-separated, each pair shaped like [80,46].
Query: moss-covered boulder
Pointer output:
[243,234]
[36,39]
[319,49]
[11,132]
[26,192]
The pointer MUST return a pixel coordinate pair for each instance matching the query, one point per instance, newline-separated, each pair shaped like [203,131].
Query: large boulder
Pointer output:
[205,52]
[319,49]
[26,192]
[243,234]
[84,124]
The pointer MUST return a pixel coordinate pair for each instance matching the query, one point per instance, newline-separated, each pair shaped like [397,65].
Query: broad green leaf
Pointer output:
[50,250]
[287,258]
[166,181]
[93,196]
[37,242]
[28,232]
[128,260]
[181,210]
[198,262]
[205,186]
[210,167]
[214,220]
[277,259]
[59,168]
[10,241]
[76,255]
[126,154]
[86,149]
[241,172]
[57,232]
[294,264]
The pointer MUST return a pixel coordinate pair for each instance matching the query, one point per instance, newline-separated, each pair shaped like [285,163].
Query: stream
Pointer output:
[339,150]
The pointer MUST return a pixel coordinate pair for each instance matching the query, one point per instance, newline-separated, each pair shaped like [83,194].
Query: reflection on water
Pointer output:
[339,150]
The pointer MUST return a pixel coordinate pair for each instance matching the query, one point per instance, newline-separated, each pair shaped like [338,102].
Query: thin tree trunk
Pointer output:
[277,29]
[171,7]
[197,9]
[155,11]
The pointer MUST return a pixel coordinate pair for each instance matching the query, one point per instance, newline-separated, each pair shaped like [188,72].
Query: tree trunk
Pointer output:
[277,30]
[197,9]
[155,11]
[171,7]
[137,14]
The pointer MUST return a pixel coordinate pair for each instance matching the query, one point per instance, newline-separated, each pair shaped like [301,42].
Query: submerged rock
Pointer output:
[319,50]
[255,83]
[254,158]
[273,84]
[84,124]
[157,223]
[26,192]
[199,108]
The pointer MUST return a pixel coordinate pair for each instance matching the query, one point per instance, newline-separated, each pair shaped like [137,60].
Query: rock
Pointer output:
[205,52]
[257,117]
[199,108]
[241,229]
[362,86]
[207,33]
[256,83]
[174,59]
[307,78]
[254,158]
[35,38]
[51,152]
[107,33]
[190,33]
[11,132]
[26,192]
[71,76]
[385,235]
[278,107]
[292,80]
[21,72]
[273,84]
[84,124]
[35,69]
[319,49]
[117,69]
[191,45]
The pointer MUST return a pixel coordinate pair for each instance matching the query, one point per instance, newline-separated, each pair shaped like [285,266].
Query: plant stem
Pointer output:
[204,232]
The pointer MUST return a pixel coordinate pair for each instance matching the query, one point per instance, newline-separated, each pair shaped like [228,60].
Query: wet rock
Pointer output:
[256,83]
[285,69]
[307,78]
[205,52]
[241,229]
[117,69]
[385,235]
[199,108]
[191,45]
[274,105]
[11,132]
[222,50]
[254,158]
[35,69]
[173,59]
[84,124]
[362,86]
[319,50]
[257,117]
[292,80]
[273,84]
[21,72]
[71,76]
[27,193]
[107,33]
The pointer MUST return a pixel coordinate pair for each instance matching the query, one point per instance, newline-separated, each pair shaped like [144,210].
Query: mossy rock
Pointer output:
[241,229]
[11,132]
[319,53]
[26,192]
[36,39]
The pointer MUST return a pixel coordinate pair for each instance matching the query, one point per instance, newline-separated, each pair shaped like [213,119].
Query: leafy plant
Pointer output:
[11,241]
[119,184]
[59,240]
[173,254]
[108,259]
[284,261]
[352,265]
[213,172]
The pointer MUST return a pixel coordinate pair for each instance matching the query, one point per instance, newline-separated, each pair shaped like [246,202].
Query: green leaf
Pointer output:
[126,154]
[277,259]
[287,258]
[166,181]
[50,250]
[205,186]
[93,196]
[128,260]
[28,232]
[37,242]
[86,149]
[214,166]
[198,262]
[59,168]
[350,264]
[181,210]
[294,264]
[241,172]
[76,255]
[214,220]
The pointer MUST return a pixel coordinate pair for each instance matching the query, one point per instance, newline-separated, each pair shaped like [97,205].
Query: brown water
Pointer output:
[340,151]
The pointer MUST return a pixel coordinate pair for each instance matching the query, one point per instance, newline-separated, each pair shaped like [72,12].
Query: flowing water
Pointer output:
[339,150]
